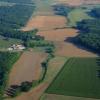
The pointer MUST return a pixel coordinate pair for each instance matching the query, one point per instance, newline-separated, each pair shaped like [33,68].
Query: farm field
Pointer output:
[52,30]
[77,78]
[70,70]
[70,50]
[54,67]
[45,23]
[51,26]
[27,68]
[63,97]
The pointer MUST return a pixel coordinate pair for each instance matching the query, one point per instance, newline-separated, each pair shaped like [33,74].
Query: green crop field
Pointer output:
[78,78]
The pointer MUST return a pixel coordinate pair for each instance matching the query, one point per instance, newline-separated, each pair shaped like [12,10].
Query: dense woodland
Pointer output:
[89,30]
[7,60]
[12,18]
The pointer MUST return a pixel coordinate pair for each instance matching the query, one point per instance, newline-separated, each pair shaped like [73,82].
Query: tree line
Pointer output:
[7,60]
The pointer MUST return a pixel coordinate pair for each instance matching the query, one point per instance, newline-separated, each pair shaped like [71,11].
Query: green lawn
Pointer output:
[77,15]
[77,78]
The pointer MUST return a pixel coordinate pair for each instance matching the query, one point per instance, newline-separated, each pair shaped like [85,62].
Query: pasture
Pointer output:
[77,78]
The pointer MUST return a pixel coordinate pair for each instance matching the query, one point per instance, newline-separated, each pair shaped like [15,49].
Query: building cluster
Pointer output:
[18,47]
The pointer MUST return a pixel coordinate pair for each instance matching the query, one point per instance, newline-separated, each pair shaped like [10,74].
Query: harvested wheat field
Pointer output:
[62,97]
[45,23]
[27,68]
[53,28]
[65,48]
[70,50]
[58,34]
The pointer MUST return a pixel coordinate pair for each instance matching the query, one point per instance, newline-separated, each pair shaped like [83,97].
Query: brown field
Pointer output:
[53,28]
[58,34]
[54,67]
[62,97]
[27,68]
[45,22]
[70,50]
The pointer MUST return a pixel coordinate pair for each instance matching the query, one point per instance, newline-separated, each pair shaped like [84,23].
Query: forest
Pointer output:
[89,30]
[12,18]
[7,60]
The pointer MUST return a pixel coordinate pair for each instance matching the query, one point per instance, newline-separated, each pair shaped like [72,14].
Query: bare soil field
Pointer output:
[54,67]
[45,23]
[58,34]
[70,50]
[62,97]
[27,68]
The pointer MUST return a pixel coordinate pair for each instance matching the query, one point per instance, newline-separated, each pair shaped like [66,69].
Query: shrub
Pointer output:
[26,86]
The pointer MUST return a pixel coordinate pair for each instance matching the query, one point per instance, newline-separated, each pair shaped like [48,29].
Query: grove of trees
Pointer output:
[89,30]
[7,60]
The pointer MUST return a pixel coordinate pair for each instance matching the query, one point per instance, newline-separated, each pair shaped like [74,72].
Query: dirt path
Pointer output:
[27,68]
